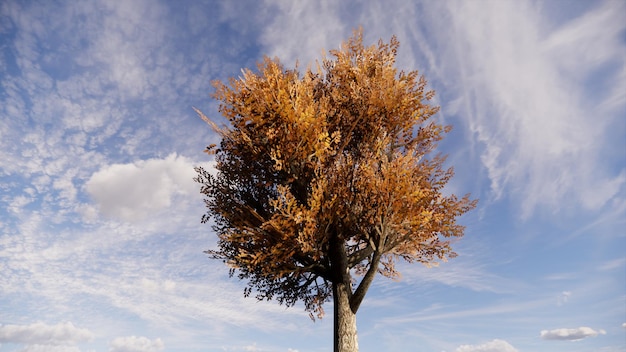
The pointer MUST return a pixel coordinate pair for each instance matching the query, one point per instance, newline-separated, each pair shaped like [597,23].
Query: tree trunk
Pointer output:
[345,338]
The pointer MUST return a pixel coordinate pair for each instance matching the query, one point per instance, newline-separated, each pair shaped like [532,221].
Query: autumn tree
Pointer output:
[326,178]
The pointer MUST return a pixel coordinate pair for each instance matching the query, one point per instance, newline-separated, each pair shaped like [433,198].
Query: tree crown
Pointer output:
[340,154]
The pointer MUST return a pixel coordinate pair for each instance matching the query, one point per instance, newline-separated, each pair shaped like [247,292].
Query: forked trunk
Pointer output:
[345,338]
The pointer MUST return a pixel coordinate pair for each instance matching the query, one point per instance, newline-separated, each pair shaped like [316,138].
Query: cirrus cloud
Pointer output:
[522,89]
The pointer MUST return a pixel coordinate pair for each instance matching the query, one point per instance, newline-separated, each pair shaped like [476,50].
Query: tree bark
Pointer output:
[345,336]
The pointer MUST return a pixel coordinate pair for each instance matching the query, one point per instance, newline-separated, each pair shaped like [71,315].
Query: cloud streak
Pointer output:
[537,122]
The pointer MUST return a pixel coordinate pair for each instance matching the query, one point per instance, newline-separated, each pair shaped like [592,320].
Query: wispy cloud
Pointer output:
[619,263]
[140,270]
[450,314]
[462,272]
[524,87]
[294,34]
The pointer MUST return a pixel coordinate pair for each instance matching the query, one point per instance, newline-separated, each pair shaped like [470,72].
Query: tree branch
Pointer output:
[315,268]
[358,256]
[359,293]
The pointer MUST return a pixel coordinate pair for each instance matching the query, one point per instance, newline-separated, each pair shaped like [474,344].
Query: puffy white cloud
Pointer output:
[135,344]
[571,334]
[491,346]
[133,191]
[43,334]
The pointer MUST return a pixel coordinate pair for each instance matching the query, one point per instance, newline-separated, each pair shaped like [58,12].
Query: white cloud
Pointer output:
[491,346]
[294,31]
[129,34]
[571,334]
[525,91]
[49,348]
[136,344]
[43,334]
[134,191]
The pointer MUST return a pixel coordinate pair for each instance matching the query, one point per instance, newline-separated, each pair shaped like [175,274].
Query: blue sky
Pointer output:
[100,235]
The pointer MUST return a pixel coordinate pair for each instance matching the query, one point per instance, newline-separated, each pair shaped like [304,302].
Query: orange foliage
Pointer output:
[333,160]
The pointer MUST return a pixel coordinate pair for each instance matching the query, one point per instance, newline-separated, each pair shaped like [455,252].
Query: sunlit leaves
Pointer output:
[342,154]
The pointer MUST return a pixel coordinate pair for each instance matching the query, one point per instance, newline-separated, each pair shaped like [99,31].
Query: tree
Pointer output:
[328,177]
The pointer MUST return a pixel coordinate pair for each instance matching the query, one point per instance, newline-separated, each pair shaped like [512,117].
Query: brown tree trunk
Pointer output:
[345,337]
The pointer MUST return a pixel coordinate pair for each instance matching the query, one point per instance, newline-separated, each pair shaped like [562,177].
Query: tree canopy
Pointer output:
[328,176]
